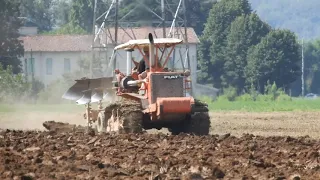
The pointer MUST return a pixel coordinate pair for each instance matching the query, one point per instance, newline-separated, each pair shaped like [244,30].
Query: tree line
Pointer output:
[311,68]
[240,50]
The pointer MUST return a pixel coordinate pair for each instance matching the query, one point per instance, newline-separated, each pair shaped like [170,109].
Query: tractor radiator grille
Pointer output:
[166,85]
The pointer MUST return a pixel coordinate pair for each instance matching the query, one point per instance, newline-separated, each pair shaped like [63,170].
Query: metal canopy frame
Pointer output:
[111,19]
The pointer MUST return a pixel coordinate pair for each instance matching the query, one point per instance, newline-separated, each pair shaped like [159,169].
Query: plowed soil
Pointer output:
[67,152]
[76,155]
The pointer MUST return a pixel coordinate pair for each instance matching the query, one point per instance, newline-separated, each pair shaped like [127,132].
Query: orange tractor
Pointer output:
[150,95]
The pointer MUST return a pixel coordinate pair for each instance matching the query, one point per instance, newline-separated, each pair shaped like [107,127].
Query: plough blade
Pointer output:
[74,93]
[97,95]
[100,94]
[89,90]
[86,98]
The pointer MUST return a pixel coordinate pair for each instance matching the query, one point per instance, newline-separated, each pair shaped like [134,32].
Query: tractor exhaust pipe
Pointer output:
[151,51]
[129,63]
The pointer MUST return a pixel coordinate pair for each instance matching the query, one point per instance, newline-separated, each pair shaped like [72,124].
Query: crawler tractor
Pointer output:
[155,98]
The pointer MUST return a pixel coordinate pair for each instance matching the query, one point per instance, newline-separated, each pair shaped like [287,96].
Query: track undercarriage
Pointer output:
[122,116]
[127,116]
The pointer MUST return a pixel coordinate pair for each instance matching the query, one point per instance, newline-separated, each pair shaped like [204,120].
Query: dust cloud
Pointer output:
[32,120]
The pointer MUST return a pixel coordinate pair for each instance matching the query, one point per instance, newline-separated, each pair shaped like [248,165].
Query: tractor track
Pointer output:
[61,154]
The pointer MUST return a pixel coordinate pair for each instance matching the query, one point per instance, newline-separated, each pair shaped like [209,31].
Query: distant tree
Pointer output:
[11,48]
[197,13]
[82,14]
[246,31]
[274,59]
[67,29]
[39,12]
[222,14]
[61,9]
[207,74]
[312,66]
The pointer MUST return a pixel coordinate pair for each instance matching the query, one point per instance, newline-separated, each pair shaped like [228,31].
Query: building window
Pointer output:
[30,66]
[49,66]
[67,65]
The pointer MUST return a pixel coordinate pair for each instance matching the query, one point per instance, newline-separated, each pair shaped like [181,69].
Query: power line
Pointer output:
[302,70]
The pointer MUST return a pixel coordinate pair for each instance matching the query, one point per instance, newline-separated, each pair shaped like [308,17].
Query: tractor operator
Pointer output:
[141,66]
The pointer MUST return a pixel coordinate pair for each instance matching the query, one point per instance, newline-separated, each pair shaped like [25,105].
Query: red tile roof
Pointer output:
[56,43]
[67,43]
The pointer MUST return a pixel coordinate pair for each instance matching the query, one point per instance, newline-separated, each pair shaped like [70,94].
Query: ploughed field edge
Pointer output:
[64,154]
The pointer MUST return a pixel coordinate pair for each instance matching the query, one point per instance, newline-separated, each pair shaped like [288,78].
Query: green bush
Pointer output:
[245,97]
[265,97]
[271,93]
[222,98]
[253,92]
[229,94]
[205,99]
[271,90]
[283,97]
[14,87]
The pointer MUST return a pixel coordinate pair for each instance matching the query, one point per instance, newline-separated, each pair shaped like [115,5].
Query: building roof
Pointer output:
[57,43]
[67,43]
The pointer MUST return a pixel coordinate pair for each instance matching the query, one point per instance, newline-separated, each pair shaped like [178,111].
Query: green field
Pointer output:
[296,104]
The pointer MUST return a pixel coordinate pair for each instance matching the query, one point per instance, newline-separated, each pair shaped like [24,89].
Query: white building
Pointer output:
[48,57]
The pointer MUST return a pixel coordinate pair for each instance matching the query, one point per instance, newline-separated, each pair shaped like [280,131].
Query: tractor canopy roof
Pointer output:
[142,43]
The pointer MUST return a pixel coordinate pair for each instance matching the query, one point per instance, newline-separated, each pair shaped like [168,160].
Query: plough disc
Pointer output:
[85,91]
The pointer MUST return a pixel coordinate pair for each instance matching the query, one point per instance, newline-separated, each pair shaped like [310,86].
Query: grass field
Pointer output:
[296,104]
